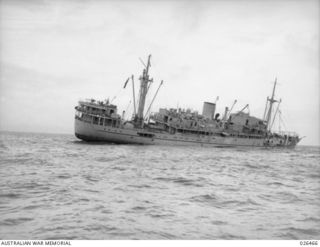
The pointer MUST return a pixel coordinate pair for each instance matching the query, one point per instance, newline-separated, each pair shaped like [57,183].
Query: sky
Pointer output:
[53,53]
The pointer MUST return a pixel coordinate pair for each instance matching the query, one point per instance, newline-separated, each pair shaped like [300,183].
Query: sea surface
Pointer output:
[57,187]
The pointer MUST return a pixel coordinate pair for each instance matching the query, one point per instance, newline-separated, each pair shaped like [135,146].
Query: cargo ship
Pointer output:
[99,121]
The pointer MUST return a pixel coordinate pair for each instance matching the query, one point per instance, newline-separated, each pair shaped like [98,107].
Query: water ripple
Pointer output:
[55,187]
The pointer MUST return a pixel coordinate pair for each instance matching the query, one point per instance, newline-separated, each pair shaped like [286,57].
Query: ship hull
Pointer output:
[99,133]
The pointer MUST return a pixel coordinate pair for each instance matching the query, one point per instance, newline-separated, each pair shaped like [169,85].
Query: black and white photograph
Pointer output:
[159,120]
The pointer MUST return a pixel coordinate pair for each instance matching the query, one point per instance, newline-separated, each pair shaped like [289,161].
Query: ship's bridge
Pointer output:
[96,107]
[98,112]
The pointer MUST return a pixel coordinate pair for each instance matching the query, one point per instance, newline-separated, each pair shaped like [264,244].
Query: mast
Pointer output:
[271,101]
[144,81]
[265,109]
[134,98]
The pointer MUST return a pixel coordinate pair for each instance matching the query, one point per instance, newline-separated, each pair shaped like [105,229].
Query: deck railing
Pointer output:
[288,133]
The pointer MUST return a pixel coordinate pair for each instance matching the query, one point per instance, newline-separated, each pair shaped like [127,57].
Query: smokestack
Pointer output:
[208,110]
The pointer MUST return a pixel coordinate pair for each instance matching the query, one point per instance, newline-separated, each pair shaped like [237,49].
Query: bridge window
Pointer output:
[146,134]
[101,121]
[95,120]
[108,122]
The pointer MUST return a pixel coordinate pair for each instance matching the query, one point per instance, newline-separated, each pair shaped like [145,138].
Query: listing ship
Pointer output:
[99,121]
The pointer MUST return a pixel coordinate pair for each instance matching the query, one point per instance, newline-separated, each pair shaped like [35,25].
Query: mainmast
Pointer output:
[271,100]
[144,81]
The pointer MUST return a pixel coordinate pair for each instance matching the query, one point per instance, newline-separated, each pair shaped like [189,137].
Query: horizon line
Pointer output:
[60,133]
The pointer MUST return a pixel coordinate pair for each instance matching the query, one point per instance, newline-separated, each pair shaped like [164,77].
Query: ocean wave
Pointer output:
[275,183]
[314,175]
[63,176]
[100,227]
[32,207]
[106,159]
[10,195]
[231,237]
[138,208]
[91,178]
[140,186]
[219,222]
[59,188]
[220,202]
[15,221]
[199,182]
[303,232]
[286,197]
[310,219]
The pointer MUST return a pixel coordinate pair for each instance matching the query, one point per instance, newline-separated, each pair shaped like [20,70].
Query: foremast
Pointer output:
[271,102]
[144,85]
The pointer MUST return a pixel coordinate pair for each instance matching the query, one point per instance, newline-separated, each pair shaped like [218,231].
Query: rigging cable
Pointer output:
[281,120]
[153,99]
[127,107]
[275,114]
[118,94]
